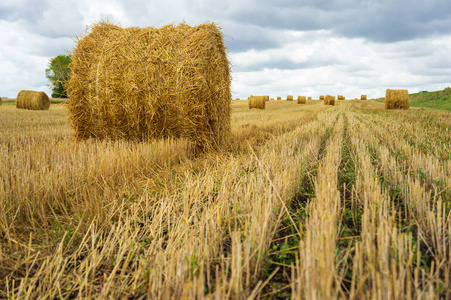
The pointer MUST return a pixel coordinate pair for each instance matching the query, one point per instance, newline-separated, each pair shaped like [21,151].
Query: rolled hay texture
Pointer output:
[396,99]
[363,97]
[321,97]
[279,98]
[302,100]
[290,98]
[32,100]
[266,98]
[257,102]
[329,100]
[140,83]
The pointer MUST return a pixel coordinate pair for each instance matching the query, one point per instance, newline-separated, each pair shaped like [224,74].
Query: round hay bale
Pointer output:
[321,97]
[257,102]
[266,98]
[363,97]
[32,100]
[279,98]
[309,98]
[396,99]
[329,100]
[272,99]
[290,98]
[141,83]
[302,100]
[340,97]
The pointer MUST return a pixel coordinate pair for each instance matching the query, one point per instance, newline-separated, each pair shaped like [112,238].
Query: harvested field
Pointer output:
[302,201]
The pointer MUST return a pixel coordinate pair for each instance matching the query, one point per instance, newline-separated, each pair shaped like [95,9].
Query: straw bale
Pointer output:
[340,97]
[257,102]
[272,99]
[279,98]
[290,98]
[363,97]
[396,99]
[321,97]
[302,100]
[143,83]
[266,98]
[32,100]
[329,100]
[309,98]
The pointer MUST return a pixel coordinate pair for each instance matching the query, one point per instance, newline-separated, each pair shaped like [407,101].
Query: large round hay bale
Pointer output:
[321,97]
[257,102]
[329,100]
[302,99]
[141,83]
[32,100]
[290,98]
[396,99]
[279,98]
[363,97]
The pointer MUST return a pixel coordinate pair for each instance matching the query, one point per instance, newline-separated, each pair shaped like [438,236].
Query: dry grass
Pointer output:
[257,102]
[173,82]
[396,99]
[329,100]
[302,100]
[32,100]
[303,201]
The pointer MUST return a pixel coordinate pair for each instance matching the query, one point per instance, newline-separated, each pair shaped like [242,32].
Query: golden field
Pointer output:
[304,202]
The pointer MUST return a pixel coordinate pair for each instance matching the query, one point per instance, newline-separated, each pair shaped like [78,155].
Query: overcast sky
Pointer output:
[348,47]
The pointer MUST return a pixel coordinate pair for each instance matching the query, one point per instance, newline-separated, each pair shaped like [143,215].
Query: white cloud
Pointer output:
[291,47]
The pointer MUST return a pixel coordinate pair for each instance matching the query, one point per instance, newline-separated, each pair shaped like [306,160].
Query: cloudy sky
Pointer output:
[299,47]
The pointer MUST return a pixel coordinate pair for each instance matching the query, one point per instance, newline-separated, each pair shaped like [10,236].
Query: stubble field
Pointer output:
[303,202]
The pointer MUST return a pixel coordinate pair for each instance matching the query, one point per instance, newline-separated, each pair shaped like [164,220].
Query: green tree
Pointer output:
[58,73]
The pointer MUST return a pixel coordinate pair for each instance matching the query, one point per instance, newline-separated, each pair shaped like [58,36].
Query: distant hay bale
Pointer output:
[257,102]
[363,97]
[32,100]
[237,99]
[266,98]
[302,100]
[340,97]
[279,98]
[329,100]
[140,83]
[290,98]
[272,99]
[396,99]
[309,98]
[321,97]
[0,100]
